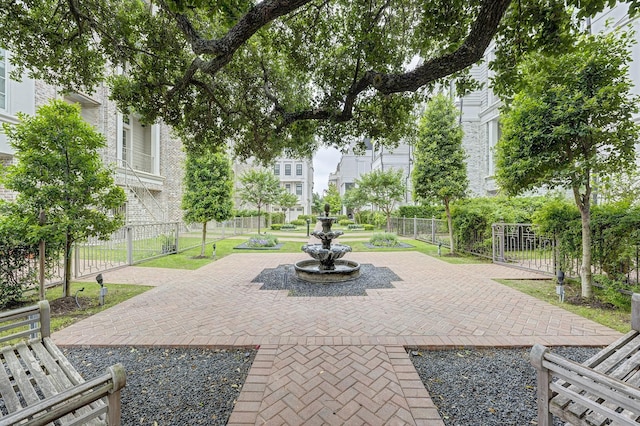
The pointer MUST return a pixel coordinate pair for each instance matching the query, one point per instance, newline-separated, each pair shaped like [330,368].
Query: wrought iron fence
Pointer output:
[133,244]
[433,230]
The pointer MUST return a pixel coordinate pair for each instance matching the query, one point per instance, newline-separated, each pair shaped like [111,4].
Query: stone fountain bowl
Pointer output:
[336,251]
[309,270]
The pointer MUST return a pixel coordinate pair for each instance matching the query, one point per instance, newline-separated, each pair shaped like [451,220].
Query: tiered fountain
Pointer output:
[325,267]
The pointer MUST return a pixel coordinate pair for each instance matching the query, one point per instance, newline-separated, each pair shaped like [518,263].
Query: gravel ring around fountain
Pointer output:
[284,278]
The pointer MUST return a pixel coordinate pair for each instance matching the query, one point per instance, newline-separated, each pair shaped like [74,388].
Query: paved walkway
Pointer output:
[332,360]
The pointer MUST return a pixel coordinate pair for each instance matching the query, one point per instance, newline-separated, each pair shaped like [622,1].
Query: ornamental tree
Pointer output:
[570,121]
[287,200]
[269,76]
[440,172]
[59,171]
[208,190]
[383,188]
[333,198]
[260,188]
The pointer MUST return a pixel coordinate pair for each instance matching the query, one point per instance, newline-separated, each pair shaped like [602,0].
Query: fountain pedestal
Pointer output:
[326,266]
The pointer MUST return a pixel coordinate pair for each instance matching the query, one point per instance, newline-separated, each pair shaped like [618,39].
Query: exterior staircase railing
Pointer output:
[158,214]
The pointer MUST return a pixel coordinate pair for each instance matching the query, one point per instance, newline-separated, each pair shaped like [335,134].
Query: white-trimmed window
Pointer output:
[298,169]
[139,145]
[298,189]
[287,169]
[276,169]
[287,187]
[4,81]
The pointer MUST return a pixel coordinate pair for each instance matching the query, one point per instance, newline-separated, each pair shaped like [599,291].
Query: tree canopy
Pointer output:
[270,76]
[440,171]
[383,188]
[260,188]
[208,190]
[571,119]
[60,172]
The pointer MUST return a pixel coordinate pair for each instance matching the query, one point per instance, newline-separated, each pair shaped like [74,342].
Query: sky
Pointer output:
[324,162]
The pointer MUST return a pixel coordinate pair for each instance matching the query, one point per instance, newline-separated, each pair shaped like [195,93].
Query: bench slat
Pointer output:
[7,392]
[22,381]
[40,376]
[588,402]
[597,385]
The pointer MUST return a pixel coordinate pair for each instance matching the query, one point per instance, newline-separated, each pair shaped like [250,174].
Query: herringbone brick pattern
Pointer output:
[336,385]
[435,304]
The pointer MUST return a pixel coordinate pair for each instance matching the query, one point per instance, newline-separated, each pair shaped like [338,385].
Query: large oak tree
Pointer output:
[269,76]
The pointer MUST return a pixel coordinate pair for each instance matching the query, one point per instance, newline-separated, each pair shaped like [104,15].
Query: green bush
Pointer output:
[265,240]
[276,226]
[305,217]
[357,227]
[345,222]
[298,222]
[424,211]
[368,227]
[384,239]
[276,217]
[610,292]
[288,227]
[377,219]
[17,273]
[342,217]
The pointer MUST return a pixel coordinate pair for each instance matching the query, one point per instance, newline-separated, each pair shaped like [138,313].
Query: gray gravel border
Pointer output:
[171,386]
[485,386]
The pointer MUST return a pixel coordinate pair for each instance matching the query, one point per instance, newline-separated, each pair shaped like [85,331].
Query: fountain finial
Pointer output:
[327,207]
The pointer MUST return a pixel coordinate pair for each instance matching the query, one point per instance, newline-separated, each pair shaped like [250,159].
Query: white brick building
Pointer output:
[296,177]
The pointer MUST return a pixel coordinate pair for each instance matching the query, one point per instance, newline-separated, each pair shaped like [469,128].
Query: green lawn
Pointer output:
[88,299]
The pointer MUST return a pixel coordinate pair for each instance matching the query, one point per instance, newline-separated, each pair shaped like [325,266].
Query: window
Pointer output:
[287,169]
[288,187]
[298,169]
[125,140]
[3,80]
[298,189]
[276,169]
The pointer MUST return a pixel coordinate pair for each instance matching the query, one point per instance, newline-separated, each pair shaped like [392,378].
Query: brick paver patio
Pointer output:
[333,360]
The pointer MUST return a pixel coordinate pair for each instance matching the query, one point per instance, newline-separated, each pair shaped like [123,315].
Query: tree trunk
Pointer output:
[66,288]
[259,220]
[452,248]
[584,205]
[204,239]
[388,221]
[585,269]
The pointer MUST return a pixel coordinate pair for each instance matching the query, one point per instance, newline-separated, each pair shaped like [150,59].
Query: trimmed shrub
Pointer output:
[368,227]
[288,227]
[298,222]
[345,222]
[384,239]
[355,227]
[425,211]
[276,226]
[266,240]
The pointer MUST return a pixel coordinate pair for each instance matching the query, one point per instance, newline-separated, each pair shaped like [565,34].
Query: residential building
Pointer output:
[147,161]
[295,176]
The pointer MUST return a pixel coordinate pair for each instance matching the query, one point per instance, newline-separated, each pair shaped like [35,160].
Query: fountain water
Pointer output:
[326,266]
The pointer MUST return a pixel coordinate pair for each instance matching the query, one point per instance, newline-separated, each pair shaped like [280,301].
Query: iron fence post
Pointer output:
[129,245]
[433,230]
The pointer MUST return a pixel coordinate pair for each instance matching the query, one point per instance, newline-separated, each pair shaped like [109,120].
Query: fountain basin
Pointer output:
[310,270]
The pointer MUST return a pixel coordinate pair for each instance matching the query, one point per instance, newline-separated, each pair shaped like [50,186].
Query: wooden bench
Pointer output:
[38,384]
[603,390]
